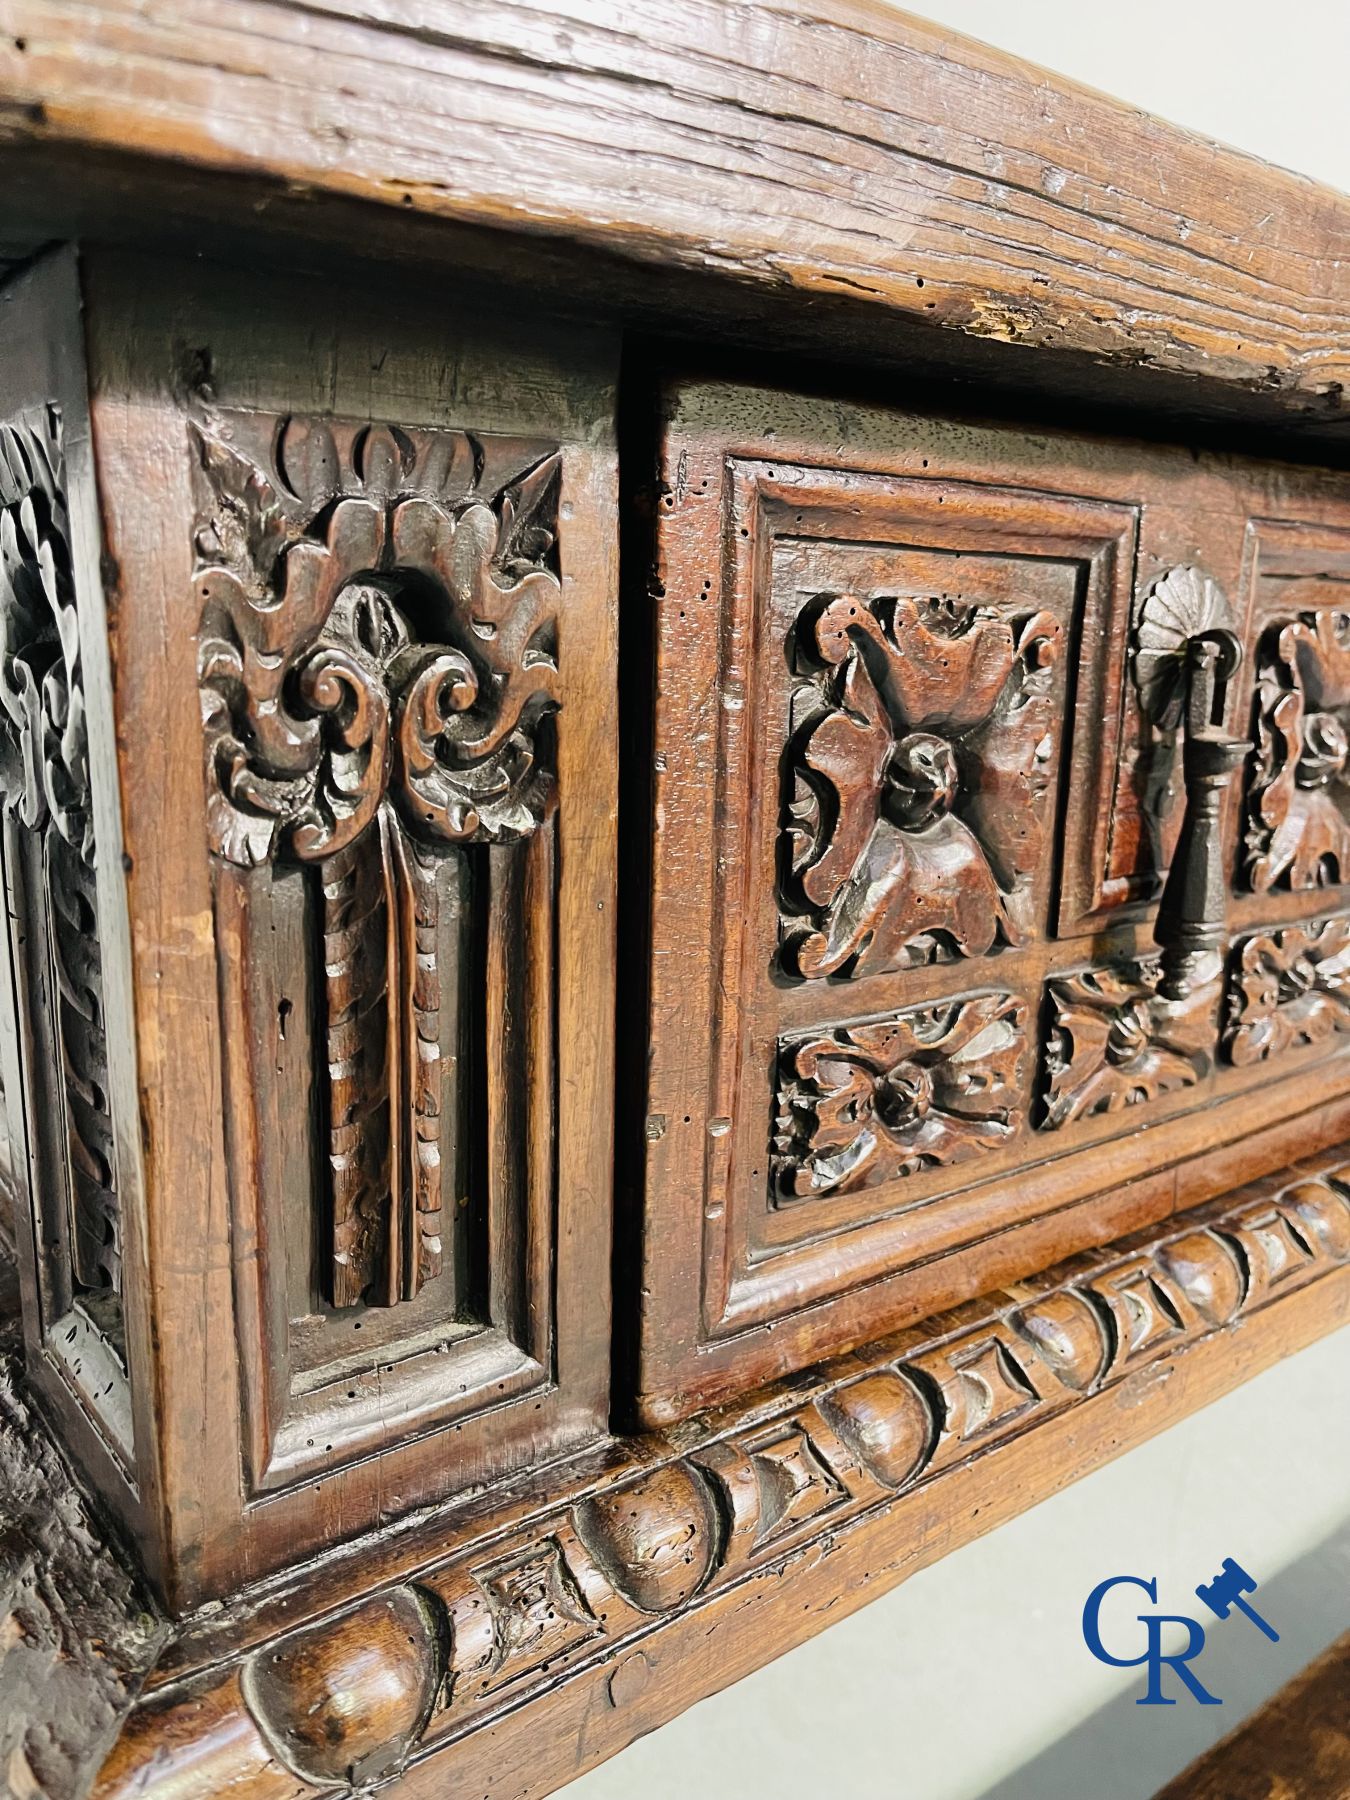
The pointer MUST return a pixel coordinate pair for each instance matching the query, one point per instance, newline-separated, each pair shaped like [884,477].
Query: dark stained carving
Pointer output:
[377,664]
[44,779]
[866,1103]
[1298,833]
[1289,988]
[764,1490]
[918,815]
[1187,654]
[1114,1041]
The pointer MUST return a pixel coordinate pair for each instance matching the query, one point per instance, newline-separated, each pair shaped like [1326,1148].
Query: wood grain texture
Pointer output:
[845,154]
[1295,1747]
[597,1604]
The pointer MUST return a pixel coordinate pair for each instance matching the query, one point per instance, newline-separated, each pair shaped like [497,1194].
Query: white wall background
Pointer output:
[972,1680]
[1270,79]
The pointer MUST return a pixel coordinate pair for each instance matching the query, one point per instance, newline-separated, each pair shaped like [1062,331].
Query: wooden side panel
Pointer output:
[365,657]
[912,820]
[67,1041]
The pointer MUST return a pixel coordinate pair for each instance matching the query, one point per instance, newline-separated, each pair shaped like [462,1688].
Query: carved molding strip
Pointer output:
[929,1086]
[378,669]
[917,810]
[1113,1041]
[1289,988]
[763,1490]
[1298,832]
[44,783]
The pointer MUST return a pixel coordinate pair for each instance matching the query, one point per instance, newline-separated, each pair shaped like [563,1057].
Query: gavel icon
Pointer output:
[1225,1592]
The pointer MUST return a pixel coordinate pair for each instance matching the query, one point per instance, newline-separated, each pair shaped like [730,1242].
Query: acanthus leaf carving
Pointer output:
[1114,1041]
[870,1102]
[1289,988]
[918,818]
[1298,832]
[309,652]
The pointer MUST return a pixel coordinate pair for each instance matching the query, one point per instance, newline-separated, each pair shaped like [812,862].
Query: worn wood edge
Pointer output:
[77,1633]
[511,1661]
[848,155]
[1298,1743]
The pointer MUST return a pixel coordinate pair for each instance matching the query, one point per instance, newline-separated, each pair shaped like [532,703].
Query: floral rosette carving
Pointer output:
[393,640]
[1298,835]
[1289,989]
[918,812]
[863,1104]
[1114,1041]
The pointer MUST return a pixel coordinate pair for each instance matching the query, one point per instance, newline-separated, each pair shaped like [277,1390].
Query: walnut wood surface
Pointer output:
[300,1367]
[592,1604]
[847,155]
[910,821]
[1297,1744]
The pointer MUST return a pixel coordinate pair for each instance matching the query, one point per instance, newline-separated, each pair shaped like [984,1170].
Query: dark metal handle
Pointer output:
[1187,654]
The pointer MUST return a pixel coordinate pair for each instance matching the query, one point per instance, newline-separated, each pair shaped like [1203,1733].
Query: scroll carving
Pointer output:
[930,1086]
[1288,989]
[1114,1041]
[44,779]
[378,672]
[917,816]
[1298,833]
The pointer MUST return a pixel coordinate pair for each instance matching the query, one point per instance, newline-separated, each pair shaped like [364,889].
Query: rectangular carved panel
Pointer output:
[1289,989]
[64,1040]
[1113,1041]
[921,772]
[917,781]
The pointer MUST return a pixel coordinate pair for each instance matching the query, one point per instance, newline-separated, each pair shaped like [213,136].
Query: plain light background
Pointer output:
[971,1680]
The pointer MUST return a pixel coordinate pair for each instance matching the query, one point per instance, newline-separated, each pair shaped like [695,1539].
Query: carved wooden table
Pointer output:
[674,722]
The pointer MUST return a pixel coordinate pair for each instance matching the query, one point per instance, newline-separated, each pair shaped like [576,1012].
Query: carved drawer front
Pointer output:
[360,571]
[918,775]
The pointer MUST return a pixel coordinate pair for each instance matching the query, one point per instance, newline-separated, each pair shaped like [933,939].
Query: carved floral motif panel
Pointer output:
[1289,988]
[871,1102]
[928,737]
[1114,1042]
[1298,804]
[52,898]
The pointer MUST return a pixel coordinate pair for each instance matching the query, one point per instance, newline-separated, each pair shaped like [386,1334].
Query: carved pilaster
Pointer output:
[377,667]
